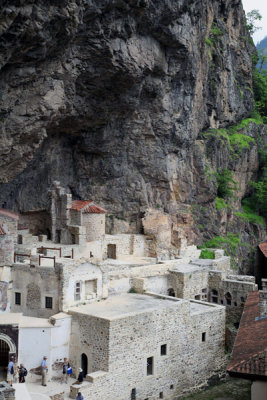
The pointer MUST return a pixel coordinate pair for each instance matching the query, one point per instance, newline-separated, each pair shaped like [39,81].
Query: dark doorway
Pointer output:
[171,292]
[112,251]
[84,363]
[58,236]
[4,358]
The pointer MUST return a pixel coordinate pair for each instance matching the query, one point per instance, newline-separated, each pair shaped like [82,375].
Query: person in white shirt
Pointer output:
[10,372]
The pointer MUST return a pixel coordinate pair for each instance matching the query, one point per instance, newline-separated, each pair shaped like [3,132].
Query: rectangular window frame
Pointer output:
[17,299]
[49,302]
[150,366]
[163,349]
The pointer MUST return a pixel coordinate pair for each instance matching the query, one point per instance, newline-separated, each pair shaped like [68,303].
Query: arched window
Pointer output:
[228,298]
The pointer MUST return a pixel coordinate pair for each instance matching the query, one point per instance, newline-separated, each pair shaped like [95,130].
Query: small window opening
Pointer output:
[18,298]
[221,301]
[49,302]
[149,368]
[133,394]
[171,386]
[242,299]
[78,291]
[161,395]
[163,350]
[197,297]
[235,304]
[214,296]
[203,336]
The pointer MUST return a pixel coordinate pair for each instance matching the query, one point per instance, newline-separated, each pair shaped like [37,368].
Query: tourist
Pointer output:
[79,396]
[10,372]
[66,370]
[80,377]
[22,373]
[44,370]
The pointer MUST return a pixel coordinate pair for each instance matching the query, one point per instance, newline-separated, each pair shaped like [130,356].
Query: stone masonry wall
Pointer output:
[89,335]
[35,284]
[135,338]
[95,226]
[127,244]
[8,240]
[190,284]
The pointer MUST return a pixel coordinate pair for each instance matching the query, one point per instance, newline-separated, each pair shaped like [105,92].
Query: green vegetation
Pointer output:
[249,213]
[220,204]
[233,136]
[251,18]
[206,253]
[229,242]
[215,34]
[132,290]
[226,184]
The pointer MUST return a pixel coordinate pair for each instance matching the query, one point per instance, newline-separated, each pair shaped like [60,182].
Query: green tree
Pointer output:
[251,18]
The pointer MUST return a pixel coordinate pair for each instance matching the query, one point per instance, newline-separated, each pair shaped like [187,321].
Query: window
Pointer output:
[221,301]
[161,395]
[49,302]
[214,296]
[171,292]
[133,394]
[228,298]
[197,297]
[163,350]
[149,366]
[18,298]
[171,386]
[203,336]
[78,291]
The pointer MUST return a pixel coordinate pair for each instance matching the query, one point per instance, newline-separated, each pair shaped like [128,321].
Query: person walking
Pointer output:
[10,372]
[79,396]
[44,370]
[65,372]
[22,373]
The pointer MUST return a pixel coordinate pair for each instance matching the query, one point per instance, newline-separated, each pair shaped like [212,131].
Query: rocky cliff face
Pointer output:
[110,97]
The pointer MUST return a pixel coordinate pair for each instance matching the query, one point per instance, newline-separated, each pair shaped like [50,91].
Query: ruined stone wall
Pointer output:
[75,217]
[188,285]
[8,240]
[95,226]
[127,244]
[135,338]
[38,222]
[35,284]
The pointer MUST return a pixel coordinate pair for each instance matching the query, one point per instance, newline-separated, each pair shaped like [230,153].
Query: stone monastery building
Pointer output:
[141,326]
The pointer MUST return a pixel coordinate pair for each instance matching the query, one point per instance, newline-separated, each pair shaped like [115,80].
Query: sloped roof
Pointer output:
[86,206]
[7,213]
[249,357]
[2,231]
[263,248]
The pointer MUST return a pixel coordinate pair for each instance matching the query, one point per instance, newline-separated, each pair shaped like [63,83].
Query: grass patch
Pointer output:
[206,253]
[231,242]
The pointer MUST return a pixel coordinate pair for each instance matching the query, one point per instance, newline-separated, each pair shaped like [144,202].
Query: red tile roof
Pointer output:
[86,206]
[263,248]
[249,357]
[2,231]
[8,213]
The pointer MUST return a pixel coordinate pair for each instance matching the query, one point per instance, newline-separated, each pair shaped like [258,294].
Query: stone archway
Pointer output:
[7,348]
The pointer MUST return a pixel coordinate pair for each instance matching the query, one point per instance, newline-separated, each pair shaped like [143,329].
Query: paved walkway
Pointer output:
[39,392]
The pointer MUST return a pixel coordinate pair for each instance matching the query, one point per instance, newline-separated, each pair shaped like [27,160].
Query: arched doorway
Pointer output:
[84,363]
[7,348]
